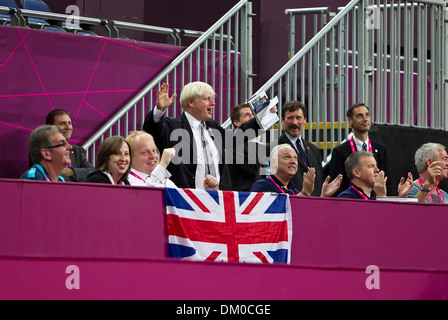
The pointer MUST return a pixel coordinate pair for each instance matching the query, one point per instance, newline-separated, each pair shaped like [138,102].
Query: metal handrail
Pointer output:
[62,17]
[8,10]
[327,101]
[14,13]
[160,30]
[308,46]
[171,67]
[307,10]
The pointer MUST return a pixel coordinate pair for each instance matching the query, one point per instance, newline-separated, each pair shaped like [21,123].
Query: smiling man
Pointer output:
[431,161]
[294,119]
[79,167]
[50,153]
[146,169]
[284,164]
[201,151]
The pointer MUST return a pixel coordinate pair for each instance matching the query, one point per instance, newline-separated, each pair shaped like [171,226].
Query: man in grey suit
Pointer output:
[78,170]
[294,117]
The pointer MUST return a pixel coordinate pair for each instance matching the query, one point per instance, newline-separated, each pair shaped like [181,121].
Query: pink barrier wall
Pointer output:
[119,233]
[91,77]
[168,280]
[92,221]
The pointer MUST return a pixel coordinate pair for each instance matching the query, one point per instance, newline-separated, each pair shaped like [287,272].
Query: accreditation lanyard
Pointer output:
[137,176]
[360,193]
[352,144]
[283,191]
[439,192]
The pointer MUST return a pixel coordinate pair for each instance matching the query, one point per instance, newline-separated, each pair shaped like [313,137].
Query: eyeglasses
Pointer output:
[62,144]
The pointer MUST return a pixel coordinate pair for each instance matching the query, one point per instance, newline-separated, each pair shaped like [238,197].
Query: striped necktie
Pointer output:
[208,155]
[301,152]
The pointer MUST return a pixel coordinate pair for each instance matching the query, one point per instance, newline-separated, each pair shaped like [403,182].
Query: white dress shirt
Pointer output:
[359,143]
[293,141]
[158,178]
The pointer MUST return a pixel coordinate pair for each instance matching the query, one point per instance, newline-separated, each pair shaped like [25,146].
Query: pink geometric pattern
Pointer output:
[91,77]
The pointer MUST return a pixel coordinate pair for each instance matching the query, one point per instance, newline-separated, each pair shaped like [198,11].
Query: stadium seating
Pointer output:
[35,5]
[53,28]
[39,23]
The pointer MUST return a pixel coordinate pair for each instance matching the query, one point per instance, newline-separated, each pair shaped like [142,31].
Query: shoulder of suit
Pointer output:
[310,144]
[213,124]
[283,139]
[77,149]
[377,144]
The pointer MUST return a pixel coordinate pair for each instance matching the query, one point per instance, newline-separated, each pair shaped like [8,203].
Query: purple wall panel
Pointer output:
[106,279]
[114,232]
[91,77]
[128,222]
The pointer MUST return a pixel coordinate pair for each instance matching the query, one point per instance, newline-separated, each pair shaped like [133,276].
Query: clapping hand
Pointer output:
[380,184]
[405,186]
[329,188]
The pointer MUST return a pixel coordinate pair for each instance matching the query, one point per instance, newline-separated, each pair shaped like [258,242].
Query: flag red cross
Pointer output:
[230,232]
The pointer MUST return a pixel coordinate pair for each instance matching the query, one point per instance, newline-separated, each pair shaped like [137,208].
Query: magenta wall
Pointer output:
[112,279]
[128,222]
[121,231]
[90,77]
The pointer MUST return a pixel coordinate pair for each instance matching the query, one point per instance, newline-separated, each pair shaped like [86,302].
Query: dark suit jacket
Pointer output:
[100,177]
[183,165]
[341,153]
[314,160]
[80,165]
[245,174]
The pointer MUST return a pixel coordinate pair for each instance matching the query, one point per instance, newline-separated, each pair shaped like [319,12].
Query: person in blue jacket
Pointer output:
[50,153]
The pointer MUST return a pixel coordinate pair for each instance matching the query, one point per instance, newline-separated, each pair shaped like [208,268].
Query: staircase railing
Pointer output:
[221,56]
[387,54]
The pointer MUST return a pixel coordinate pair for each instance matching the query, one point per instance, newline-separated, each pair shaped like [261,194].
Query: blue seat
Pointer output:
[53,28]
[35,5]
[39,5]
[85,33]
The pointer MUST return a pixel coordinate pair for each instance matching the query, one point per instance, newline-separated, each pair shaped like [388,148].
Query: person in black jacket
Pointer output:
[113,162]
[245,168]
[358,116]
[199,141]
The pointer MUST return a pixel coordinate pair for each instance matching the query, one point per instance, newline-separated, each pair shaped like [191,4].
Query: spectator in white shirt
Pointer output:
[147,170]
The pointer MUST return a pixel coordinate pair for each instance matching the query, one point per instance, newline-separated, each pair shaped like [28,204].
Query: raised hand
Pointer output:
[211,183]
[163,98]
[308,181]
[380,184]
[405,186]
[329,188]
[167,155]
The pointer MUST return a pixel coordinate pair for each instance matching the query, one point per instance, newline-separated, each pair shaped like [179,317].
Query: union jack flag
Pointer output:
[209,225]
